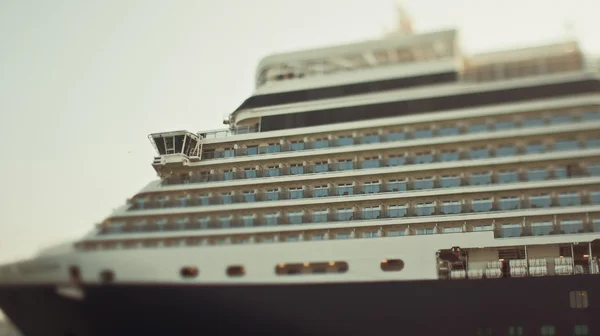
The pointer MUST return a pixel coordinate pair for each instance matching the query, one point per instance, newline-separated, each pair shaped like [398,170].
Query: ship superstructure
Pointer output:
[398,159]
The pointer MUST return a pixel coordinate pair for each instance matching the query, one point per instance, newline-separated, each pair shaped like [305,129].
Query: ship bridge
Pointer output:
[175,149]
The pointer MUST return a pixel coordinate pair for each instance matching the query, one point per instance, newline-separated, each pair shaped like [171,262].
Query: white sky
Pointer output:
[83,82]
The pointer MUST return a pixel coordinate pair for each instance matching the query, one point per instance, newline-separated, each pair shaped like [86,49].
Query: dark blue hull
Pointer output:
[464,307]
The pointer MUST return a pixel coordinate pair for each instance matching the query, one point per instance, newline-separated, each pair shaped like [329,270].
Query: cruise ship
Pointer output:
[385,187]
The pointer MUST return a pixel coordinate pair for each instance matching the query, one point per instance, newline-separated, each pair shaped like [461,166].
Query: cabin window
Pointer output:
[188,272]
[236,271]
[581,330]
[392,265]
[534,148]
[578,299]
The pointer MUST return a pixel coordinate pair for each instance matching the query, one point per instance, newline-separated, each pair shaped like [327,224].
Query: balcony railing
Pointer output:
[227,222]
[336,191]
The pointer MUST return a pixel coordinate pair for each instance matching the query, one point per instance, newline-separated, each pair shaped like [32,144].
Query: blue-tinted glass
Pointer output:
[371,214]
[397,212]
[373,163]
[451,207]
[273,195]
[423,133]
[506,151]
[253,150]
[225,222]
[540,201]
[203,222]
[509,203]
[423,184]
[541,229]
[480,153]
[346,141]
[345,190]
[425,210]
[204,200]
[448,131]
[569,199]
[595,197]
[371,188]
[271,220]
[248,221]
[594,170]
[424,158]
[295,218]
[343,215]
[596,224]
[374,138]
[228,176]
[226,199]
[321,192]
[395,233]
[533,122]
[319,217]
[297,146]
[344,165]
[395,161]
[537,175]
[450,182]
[571,226]
[274,148]
[273,172]
[449,156]
[321,167]
[534,148]
[342,236]
[394,136]
[560,172]
[504,125]
[249,197]
[324,143]
[481,179]
[560,119]
[507,177]
[482,205]
[592,143]
[476,128]
[296,194]
[297,170]
[183,201]
[590,115]
[424,231]
[250,173]
[511,230]
[396,186]
[228,153]
[140,203]
[567,145]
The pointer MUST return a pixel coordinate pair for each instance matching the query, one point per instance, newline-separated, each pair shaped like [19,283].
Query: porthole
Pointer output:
[107,276]
[188,272]
[236,271]
[392,265]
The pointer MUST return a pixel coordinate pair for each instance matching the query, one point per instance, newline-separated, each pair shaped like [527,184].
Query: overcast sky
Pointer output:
[83,82]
